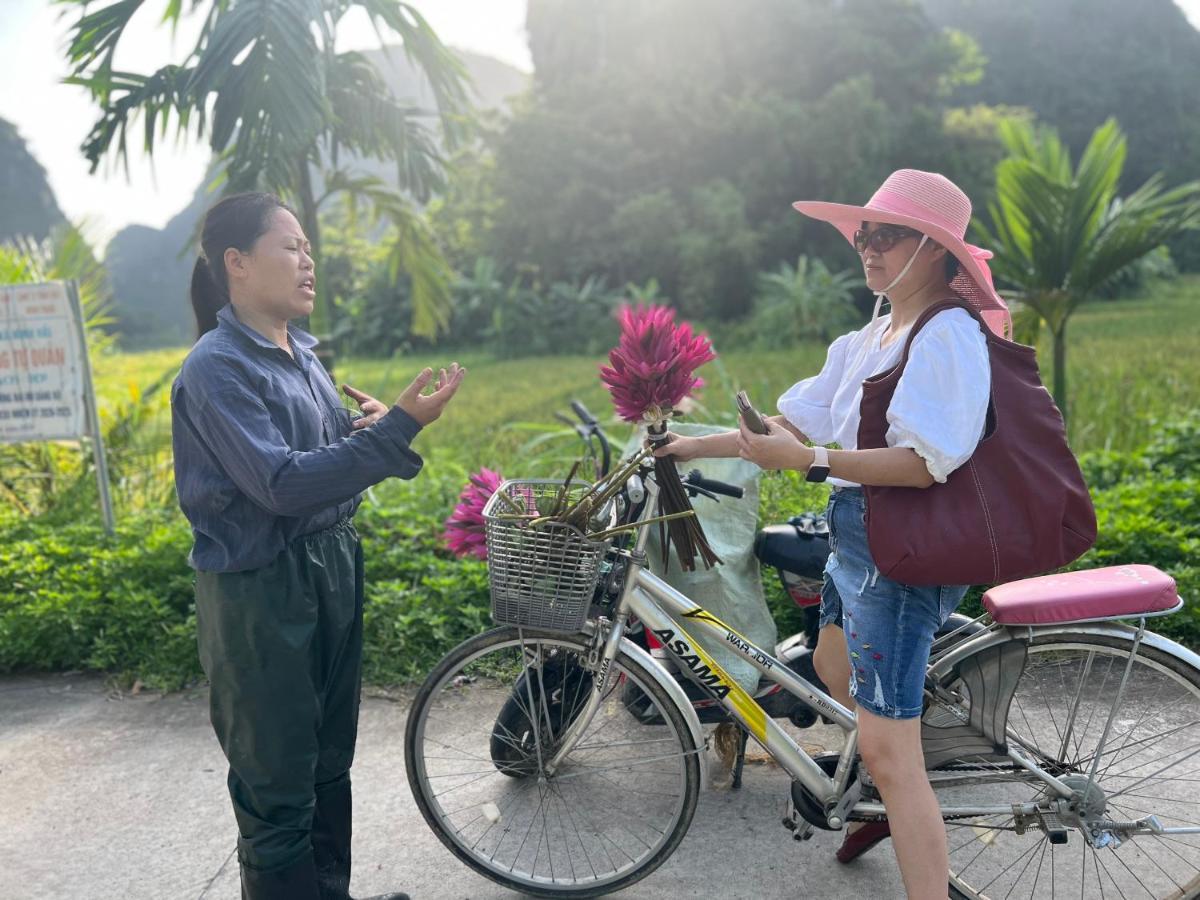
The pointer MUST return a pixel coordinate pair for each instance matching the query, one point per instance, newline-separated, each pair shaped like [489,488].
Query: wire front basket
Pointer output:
[542,576]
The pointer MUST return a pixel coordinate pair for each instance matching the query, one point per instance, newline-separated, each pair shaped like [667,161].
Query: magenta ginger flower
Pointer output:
[653,365]
[464,533]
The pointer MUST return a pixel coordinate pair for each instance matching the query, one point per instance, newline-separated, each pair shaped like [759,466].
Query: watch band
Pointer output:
[819,470]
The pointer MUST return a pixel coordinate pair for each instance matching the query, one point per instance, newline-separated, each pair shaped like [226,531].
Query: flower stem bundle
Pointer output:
[675,527]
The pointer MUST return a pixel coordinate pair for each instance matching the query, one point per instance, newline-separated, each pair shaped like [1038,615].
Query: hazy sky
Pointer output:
[55,118]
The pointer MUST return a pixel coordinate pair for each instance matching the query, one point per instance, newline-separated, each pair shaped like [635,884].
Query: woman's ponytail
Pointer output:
[237,221]
[207,297]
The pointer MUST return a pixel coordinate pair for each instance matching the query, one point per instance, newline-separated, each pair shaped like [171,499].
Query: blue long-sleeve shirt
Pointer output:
[264,449]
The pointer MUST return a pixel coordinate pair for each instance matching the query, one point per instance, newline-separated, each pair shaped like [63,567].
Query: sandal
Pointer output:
[859,842]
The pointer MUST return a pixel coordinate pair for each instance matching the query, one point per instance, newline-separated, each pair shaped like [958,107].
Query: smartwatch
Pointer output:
[819,470]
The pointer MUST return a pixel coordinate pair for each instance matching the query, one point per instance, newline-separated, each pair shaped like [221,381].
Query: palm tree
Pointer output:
[276,102]
[1062,235]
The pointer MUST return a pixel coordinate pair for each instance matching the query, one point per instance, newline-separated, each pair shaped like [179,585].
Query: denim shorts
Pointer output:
[889,626]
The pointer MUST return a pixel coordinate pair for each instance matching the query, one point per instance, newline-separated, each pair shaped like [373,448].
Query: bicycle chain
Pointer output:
[960,768]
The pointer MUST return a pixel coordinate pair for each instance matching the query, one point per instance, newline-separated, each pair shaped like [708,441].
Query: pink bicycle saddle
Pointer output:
[1107,592]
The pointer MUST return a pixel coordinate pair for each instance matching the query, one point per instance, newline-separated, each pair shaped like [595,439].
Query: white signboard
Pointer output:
[44,381]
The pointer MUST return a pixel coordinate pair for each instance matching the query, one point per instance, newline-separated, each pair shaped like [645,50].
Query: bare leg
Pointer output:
[832,661]
[892,751]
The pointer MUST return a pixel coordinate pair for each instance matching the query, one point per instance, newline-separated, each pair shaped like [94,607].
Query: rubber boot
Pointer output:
[332,830]
[331,833]
[295,881]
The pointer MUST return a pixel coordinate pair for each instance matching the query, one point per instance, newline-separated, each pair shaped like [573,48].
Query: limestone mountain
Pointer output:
[27,204]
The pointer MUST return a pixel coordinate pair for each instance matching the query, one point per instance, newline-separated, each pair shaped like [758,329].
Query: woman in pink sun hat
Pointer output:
[875,632]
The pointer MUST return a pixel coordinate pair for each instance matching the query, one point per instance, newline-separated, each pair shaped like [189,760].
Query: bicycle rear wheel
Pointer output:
[1150,765]
[480,731]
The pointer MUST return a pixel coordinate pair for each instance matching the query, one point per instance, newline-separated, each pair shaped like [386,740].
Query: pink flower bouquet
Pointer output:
[651,370]
[465,535]
[653,366]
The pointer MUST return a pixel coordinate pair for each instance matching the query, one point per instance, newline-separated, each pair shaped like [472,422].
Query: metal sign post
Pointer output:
[93,412]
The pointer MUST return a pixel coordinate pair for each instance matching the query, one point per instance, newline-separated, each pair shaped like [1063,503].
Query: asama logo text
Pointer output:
[703,673]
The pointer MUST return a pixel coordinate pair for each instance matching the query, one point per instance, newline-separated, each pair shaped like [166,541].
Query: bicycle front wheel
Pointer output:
[488,719]
[1148,765]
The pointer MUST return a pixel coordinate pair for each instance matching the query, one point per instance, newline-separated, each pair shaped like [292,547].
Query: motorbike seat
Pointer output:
[801,546]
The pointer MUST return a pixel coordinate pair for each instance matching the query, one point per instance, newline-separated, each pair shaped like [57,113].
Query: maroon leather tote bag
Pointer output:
[1018,507]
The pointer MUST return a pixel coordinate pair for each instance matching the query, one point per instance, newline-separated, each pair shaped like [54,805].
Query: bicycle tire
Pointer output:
[455,700]
[989,859]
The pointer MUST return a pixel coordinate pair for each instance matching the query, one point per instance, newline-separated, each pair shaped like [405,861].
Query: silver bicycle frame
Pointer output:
[654,602]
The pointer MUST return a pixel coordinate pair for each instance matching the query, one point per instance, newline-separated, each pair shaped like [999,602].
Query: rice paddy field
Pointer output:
[1130,362]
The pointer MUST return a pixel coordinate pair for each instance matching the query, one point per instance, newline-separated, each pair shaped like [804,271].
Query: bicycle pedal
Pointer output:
[1052,826]
[803,831]
[795,823]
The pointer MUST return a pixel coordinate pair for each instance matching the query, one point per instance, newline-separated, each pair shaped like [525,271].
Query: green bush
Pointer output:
[73,598]
[1174,447]
[783,495]
[1148,511]
[420,601]
[566,317]
[794,304]
[1156,521]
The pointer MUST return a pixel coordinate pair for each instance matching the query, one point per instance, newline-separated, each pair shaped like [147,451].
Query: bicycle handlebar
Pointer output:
[588,429]
[584,416]
[696,479]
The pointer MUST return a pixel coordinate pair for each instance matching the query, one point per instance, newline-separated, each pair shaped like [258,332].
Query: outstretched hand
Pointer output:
[426,408]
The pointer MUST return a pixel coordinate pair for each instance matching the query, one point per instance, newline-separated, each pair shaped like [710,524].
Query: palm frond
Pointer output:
[417,253]
[415,250]
[95,35]
[372,123]
[66,255]
[445,72]
[128,96]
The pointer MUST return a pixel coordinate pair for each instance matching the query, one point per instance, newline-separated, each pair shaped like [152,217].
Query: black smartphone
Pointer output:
[750,415]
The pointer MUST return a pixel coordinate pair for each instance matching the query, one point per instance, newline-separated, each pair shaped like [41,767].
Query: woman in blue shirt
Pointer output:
[269,467]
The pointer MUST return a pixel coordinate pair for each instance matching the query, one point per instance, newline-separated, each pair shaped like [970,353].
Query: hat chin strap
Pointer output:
[879,295]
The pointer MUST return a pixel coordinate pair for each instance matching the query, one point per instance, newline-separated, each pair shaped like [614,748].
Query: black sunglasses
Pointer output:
[882,239]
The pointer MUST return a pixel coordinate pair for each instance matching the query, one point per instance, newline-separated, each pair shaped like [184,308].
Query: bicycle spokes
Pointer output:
[1122,833]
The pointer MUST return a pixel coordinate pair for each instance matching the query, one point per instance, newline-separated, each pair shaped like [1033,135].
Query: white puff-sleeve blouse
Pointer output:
[940,404]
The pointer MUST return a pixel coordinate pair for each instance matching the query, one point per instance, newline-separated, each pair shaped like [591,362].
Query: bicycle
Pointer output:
[1038,725]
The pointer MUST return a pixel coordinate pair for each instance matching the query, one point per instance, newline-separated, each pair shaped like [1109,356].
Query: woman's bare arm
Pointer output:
[716,446]
[897,466]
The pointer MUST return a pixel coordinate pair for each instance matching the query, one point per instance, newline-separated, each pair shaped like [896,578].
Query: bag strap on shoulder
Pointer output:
[926,315]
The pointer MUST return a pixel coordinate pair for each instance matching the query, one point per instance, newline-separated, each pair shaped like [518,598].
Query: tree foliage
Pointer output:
[1062,233]
[275,100]
[667,140]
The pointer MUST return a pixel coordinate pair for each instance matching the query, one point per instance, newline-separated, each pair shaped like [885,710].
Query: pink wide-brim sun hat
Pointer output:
[934,205]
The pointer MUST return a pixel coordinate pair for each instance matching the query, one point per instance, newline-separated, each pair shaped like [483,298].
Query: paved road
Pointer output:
[120,797]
